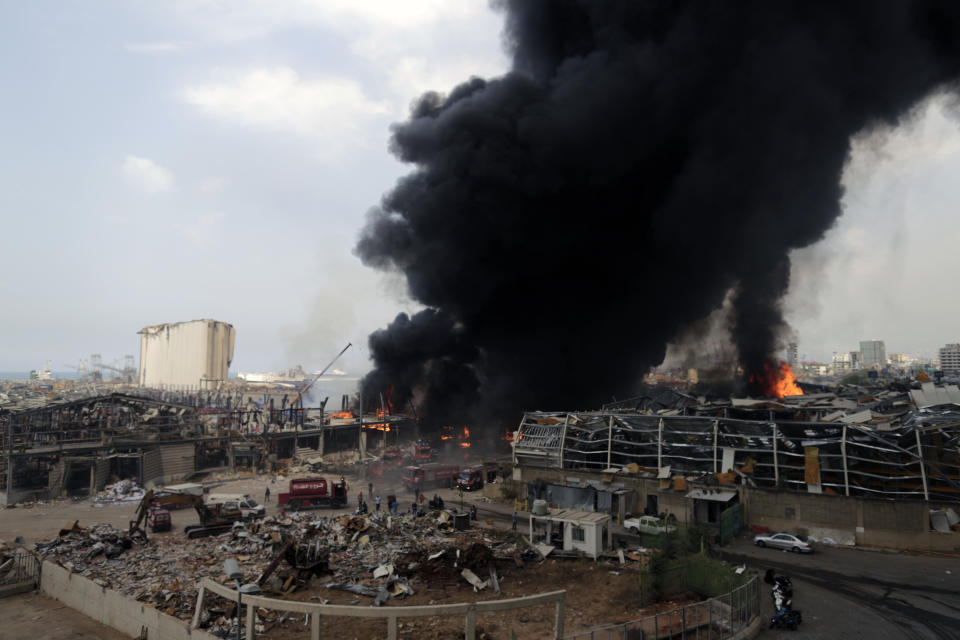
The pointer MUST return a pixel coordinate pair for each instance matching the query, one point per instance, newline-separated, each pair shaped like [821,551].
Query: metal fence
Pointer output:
[22,567]
[713,619]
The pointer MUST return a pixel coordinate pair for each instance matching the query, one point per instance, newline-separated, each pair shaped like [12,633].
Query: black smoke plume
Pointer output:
[641,160]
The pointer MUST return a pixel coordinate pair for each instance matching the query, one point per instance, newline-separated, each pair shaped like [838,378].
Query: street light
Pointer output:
[232,568]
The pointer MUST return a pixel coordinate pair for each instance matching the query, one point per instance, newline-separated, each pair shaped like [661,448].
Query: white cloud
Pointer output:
[204,232]
[328,109]
[411,46]
[214,184]
[145,174]
[152,47]
[246,19]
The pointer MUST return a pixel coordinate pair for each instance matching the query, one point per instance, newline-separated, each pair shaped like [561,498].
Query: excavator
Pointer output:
[214,518]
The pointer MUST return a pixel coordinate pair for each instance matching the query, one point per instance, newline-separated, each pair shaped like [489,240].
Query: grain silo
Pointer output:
[186,355]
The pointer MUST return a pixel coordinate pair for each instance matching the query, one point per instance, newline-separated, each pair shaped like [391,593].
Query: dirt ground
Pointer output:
[598,593]
[32,616]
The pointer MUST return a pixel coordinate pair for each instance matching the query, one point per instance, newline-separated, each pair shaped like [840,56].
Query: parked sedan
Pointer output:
[786,541]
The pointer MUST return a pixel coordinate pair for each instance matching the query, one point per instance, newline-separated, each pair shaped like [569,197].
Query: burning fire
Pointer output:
[450,433]
[778,380]
[346,415]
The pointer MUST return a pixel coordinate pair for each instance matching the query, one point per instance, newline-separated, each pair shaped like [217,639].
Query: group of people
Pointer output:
[393,505]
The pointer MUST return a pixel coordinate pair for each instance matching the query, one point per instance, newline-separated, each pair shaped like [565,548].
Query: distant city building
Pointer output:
[841,362]
[186,355]
[873,354]
[901,360]
[792,354]
[855,361]
[950,359]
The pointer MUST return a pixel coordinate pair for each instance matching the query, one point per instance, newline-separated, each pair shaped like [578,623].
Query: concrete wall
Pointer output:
[903,524]
[182,354]
[111,608]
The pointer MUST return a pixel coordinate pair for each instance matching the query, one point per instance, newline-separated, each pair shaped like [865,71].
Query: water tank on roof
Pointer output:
[539,507]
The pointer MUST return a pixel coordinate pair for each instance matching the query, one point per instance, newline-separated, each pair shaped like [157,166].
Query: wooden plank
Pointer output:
[558,622]
[470,625]
[198,610]
[384,612]
[251,614]
[314,626]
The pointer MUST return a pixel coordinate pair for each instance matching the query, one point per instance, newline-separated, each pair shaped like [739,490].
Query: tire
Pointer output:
[795,549]
[635,531]
[760,543]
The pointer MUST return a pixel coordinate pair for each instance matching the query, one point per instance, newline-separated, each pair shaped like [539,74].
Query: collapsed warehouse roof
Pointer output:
[877,445]
[88,419]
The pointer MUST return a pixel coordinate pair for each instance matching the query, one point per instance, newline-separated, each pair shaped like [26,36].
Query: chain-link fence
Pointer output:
[713,619]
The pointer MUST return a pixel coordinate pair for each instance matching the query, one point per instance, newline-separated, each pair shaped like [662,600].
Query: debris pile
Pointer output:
[378,556]
[122,491]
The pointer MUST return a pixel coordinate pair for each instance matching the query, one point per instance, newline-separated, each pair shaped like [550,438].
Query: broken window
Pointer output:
[577,534]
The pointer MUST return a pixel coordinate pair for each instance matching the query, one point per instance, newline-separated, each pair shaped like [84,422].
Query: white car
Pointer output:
[647,524]
[786,541]
[247,505]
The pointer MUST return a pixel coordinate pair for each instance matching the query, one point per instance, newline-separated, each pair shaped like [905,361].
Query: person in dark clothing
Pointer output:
[266,494]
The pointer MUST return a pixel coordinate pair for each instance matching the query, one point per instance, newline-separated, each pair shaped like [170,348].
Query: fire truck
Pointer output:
[422,451]
[470,479]
[310,493]
[430,476]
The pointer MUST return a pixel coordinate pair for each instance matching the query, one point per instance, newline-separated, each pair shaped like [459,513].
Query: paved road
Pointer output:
[853,593]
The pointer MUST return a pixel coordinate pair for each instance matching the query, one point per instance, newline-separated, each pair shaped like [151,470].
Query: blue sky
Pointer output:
[165,161]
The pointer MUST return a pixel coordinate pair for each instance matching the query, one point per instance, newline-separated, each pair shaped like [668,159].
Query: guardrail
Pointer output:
[714,619]
[316,611]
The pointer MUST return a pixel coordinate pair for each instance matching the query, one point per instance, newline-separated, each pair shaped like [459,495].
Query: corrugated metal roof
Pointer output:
[715,496]
[568,515]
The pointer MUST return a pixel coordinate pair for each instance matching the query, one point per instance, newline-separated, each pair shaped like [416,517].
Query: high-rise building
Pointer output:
[950,359]
[792,354]
[873,354]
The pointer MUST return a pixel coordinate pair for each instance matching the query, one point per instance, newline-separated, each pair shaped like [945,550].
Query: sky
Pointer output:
[169,161]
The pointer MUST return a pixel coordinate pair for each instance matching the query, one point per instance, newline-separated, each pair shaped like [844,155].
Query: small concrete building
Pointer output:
[585,531]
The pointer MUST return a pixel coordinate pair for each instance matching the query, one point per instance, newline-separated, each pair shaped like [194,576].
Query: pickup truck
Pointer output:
[647,524]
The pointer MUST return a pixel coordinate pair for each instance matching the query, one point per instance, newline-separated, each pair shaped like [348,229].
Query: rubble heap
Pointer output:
[122,491]
[376,556]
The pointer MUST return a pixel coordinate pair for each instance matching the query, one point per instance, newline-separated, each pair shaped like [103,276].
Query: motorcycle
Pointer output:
[786,619]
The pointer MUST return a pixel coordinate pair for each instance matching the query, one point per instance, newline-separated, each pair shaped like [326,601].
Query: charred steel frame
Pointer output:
[847,459]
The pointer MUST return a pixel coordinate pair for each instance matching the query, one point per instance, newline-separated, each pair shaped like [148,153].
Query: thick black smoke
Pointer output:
[641,160]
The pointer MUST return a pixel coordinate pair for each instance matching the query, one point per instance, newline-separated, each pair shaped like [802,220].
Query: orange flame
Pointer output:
[778,380]
[347,415]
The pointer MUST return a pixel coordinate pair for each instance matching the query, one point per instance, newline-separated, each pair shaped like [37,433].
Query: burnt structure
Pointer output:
[76,447]
[915,461]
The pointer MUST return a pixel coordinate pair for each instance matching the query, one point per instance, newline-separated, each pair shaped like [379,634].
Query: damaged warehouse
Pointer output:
[76,447]
[893,455]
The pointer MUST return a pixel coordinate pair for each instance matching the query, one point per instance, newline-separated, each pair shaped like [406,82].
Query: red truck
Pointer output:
[430,476]
[422,451]
[470,479]
[310,493]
